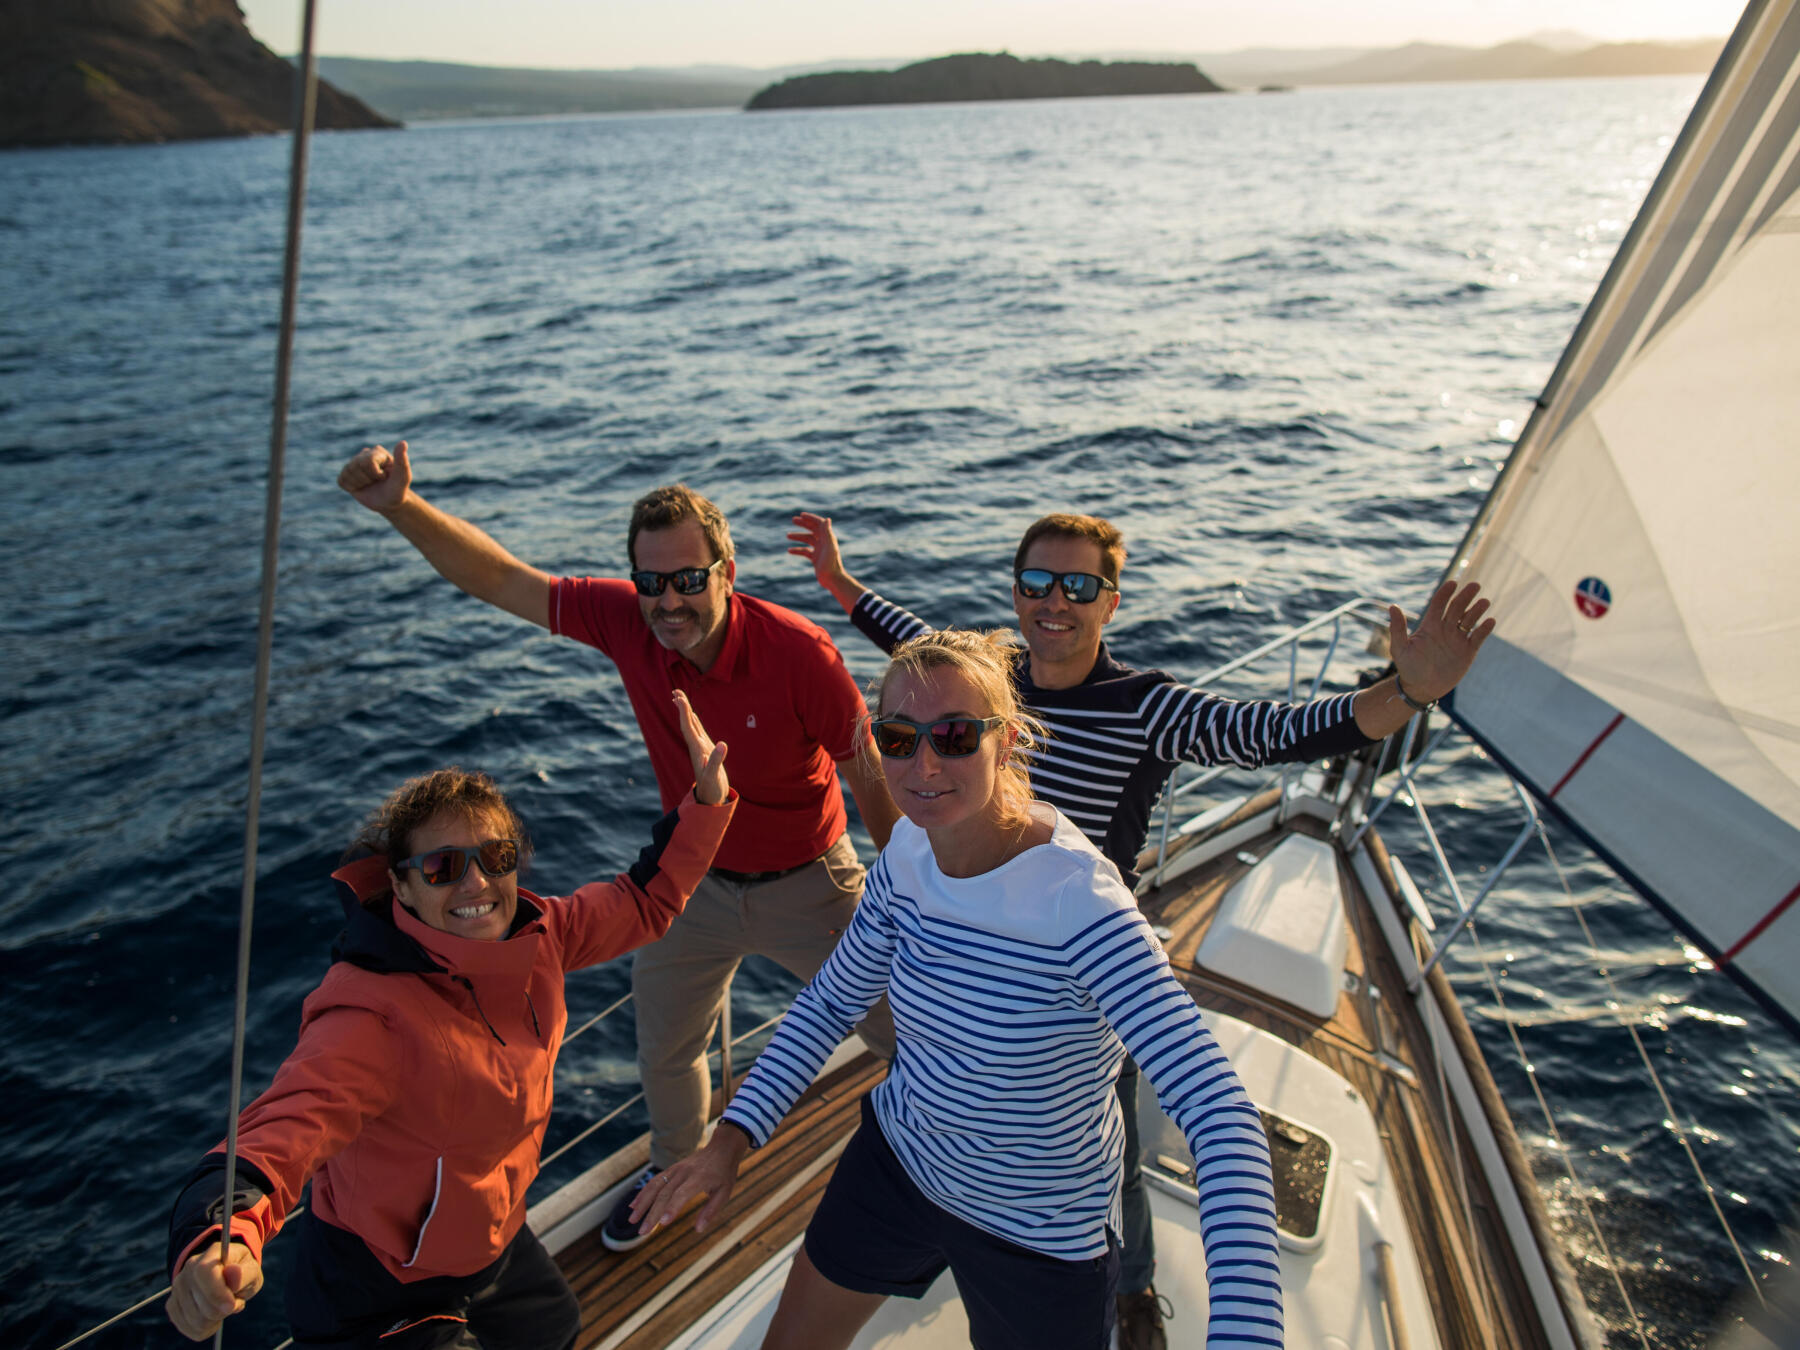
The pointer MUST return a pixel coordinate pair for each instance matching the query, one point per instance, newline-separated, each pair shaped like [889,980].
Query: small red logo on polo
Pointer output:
[1592,597]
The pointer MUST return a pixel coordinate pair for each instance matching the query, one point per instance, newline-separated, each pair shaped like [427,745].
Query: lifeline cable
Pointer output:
[305,102]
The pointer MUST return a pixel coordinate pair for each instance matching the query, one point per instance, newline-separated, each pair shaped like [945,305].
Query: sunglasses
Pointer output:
[687,580]
[447,866]
[953,738]
[1080,588]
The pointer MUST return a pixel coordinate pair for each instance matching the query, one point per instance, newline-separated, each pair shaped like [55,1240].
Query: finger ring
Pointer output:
[1464,628]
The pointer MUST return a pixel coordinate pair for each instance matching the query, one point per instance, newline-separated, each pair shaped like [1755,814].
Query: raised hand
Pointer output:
[1434,657]
[204,1294]
[378,477]
[813,539]
[711,786]
[711,1172]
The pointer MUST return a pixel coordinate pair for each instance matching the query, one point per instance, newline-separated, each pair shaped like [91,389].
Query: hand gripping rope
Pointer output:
[305,101]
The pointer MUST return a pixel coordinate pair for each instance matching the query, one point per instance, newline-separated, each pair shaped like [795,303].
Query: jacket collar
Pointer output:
[383,936]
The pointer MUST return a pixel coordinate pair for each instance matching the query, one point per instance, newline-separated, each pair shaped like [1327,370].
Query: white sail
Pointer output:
[1642,546]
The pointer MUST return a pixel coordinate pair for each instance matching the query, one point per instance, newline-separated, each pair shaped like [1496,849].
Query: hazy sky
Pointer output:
[617,33]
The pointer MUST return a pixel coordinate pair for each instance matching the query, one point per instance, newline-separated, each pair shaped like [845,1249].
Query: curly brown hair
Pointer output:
[390,827]
[665,507]
[985,660]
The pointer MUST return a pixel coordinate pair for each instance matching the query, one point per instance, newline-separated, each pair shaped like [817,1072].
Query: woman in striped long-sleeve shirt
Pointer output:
[1020,972]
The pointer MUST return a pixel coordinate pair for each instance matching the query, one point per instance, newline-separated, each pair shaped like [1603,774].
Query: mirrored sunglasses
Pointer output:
[446,866]
[686,580]
[1080,588]
[953,738]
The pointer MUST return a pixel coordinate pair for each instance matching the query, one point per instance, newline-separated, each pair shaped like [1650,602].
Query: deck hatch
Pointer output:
[1299,1157]
[1302,1164]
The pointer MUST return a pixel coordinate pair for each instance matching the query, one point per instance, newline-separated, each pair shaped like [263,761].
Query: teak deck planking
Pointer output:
[641,1300]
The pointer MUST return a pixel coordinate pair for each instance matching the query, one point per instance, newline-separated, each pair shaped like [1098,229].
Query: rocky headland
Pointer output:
[973,77]
[78,72]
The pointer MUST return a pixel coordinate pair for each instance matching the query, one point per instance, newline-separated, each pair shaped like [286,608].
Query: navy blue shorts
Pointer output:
[876,1232]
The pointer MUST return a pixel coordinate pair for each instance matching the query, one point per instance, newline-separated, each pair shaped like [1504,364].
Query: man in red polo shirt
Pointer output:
[765,681]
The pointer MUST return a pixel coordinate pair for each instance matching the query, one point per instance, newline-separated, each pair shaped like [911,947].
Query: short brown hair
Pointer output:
[667,506]
[1092,528]
[985,660]
[390,827]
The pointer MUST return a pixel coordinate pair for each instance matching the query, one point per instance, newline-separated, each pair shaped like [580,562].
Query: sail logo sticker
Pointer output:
[1592,597]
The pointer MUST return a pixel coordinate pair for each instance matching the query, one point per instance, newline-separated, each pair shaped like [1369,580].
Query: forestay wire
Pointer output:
[305,103]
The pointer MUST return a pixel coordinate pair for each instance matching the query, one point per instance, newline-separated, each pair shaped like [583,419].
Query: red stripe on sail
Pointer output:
[1756,932]
[1575,768]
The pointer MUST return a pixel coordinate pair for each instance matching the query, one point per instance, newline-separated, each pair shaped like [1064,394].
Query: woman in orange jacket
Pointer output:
[417,1097]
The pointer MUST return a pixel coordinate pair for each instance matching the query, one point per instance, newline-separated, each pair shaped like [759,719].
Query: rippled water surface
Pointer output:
[1283,341]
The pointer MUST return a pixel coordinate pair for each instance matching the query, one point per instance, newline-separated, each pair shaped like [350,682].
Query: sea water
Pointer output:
[1284,341]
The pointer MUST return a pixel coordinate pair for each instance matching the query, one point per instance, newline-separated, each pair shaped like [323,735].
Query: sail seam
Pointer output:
[1761,924]
[1575,768]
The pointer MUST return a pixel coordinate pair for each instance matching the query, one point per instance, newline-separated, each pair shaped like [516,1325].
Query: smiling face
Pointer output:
[1064,637]
[959,794]
[693,625]
[478,906]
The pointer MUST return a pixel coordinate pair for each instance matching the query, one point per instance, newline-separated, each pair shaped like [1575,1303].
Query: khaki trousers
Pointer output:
[677,982]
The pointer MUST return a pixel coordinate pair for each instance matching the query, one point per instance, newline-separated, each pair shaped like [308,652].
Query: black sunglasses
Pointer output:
[953,738]
[687,580]
[447,866]
[1081,588]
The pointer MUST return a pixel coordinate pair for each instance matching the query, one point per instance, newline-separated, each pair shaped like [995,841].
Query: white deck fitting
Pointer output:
[1282,929]
[1330,1293]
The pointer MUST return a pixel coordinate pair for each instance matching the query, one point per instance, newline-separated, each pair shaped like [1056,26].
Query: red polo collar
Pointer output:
[731,655]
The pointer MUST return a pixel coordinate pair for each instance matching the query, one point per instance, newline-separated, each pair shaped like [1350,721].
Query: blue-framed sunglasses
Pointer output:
[1079,588]
[953,738]
[686,580]
[447,866]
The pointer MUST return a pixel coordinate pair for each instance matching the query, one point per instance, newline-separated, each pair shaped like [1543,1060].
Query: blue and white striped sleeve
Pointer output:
[1122,965]
[853,977]
[885,623]
[1183,723]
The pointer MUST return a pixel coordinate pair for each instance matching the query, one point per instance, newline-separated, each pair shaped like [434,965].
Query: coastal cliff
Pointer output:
[123,71]
[978,76]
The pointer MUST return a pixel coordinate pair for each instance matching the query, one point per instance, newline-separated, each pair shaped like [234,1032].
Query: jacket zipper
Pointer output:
[469,984]
[437,1191]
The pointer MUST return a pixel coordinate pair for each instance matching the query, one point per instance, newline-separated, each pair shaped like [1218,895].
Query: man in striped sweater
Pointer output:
[1113,733]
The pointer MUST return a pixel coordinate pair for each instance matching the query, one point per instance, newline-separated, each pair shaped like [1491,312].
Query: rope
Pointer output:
[115,1318]
[141,1304]
[1673,1121]
[305,99]
[1562,1149]
[630,1102]
[598,1017]
[298,1210]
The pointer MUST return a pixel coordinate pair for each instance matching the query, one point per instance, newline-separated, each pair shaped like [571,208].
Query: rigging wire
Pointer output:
[1531,1077]
[601,1016]
[1562,1149]
[1670,1118]
[305,104]
[633,1101]
[298,1210]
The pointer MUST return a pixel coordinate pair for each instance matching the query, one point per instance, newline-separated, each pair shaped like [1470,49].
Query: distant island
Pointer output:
[1430,63]
[78,72]
[75,71]
[976,76]
[423,91]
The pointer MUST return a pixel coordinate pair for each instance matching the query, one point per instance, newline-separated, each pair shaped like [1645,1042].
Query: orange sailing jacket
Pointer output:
[418,1094]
